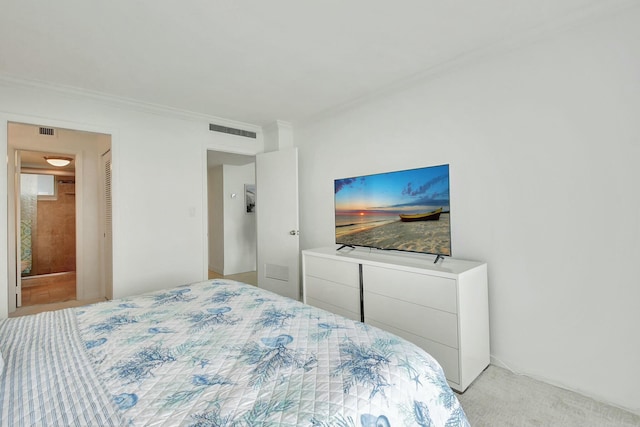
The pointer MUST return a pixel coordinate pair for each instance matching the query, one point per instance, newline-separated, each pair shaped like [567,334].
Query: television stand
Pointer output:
[346,246]
[443,307]
[438,258]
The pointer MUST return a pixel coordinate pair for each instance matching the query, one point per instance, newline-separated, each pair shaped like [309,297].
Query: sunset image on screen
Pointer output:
[404,210]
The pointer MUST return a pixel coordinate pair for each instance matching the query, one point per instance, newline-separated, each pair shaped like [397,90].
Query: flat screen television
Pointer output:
[405,210]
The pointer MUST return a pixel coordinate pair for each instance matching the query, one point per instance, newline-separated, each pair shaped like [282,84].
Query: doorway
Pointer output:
[232,241]
[79,236]
[275,220]
[47,228]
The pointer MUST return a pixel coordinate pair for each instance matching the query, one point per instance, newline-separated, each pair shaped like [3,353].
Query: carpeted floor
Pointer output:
[500,398]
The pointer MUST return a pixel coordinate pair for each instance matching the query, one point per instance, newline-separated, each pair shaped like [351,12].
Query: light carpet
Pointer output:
[501,398]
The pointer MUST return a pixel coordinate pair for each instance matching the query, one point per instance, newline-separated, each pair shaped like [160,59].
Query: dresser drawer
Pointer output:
[335,294]
[435,325]
[431,291]
[334,309]
[446,356]
[335,271]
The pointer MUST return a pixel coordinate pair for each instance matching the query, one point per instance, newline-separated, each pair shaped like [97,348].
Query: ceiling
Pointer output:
[258,61]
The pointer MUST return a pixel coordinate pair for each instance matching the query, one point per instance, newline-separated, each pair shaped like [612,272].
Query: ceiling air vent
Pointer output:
[47,131]
[232,131]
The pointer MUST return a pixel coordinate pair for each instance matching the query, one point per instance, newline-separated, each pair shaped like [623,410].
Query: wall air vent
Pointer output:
[47,131]
[232,131]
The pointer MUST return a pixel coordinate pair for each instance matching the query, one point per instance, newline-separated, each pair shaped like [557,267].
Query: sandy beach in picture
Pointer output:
[420,236]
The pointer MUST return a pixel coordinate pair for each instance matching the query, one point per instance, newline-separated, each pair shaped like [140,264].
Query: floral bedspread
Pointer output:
[223,353]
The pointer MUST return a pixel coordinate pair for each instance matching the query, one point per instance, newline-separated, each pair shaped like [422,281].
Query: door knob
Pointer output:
[294,232]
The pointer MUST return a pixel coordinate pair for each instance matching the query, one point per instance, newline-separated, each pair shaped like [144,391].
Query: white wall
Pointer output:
[543,143]
[159,172]
[239,227]
[216,219]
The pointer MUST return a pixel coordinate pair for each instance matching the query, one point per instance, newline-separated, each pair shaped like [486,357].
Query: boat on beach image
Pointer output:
[424,216]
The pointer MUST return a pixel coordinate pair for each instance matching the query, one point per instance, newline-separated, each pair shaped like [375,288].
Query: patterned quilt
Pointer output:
[223,353]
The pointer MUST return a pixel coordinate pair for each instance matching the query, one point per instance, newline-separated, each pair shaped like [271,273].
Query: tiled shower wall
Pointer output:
[55,239]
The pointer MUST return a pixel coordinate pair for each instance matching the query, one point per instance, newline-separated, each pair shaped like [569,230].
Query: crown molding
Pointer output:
[127,103]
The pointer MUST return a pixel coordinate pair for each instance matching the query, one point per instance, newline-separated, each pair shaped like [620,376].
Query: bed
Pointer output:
[216,353]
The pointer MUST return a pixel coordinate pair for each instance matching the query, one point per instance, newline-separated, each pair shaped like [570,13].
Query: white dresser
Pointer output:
[442,307]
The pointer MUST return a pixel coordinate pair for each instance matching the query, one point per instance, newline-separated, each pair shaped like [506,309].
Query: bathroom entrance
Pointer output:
[47,206]
[47,228]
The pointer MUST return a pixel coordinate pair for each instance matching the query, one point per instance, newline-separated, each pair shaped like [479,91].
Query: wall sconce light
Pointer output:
[58,160]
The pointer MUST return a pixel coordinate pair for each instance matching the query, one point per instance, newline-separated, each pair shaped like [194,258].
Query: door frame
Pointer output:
[8,233]
[205,198]
[19,170]
[17,210]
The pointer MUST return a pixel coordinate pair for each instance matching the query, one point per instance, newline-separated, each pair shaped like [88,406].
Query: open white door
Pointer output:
[277,222]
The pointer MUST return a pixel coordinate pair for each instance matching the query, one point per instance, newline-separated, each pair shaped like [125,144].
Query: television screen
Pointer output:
[404,210]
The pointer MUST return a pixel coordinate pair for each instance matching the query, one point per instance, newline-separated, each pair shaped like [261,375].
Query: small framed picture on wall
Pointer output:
[250,198]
